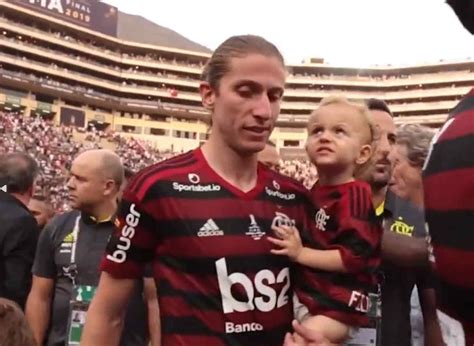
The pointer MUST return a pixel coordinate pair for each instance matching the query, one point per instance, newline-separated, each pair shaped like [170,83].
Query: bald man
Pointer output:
[269,156]
[70,248]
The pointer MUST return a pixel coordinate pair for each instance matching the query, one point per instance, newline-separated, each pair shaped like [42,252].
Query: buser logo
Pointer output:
[128,232]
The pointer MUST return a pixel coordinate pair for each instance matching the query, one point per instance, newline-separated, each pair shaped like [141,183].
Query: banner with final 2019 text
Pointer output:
[90,14]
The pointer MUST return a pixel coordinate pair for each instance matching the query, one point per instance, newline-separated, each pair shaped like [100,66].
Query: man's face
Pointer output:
[406,178]
[269,157]
[86,184]
[379,173]
[40,211]
[247,103]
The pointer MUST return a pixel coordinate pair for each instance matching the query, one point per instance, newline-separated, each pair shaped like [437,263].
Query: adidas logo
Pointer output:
[210,229]
[69,238]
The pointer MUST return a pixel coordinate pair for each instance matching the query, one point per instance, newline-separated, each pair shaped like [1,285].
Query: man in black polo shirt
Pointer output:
[70,248]
[18,229]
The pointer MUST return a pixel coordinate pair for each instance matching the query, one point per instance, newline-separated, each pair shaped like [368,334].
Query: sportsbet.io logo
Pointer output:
[194,179]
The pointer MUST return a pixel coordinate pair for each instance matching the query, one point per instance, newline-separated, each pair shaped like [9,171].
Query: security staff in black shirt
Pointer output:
[70,248]
[18,228]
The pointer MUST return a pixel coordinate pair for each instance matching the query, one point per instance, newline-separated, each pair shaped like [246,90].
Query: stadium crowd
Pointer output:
[209,247]
[55,146]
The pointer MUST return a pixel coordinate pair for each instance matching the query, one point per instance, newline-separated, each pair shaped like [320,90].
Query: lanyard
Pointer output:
[70,271]
[75,235]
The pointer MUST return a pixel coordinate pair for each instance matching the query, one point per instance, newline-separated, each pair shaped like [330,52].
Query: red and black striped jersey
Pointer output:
[344,219]
[218,283]
[449,201]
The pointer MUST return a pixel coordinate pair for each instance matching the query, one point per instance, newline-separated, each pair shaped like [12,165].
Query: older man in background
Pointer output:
[408,158]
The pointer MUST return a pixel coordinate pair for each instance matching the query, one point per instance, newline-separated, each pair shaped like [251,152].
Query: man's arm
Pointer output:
[104,321]
[426,283]
[154,323]
[121,268]
[38,307]
[404,251]
[18,255]
[433,335]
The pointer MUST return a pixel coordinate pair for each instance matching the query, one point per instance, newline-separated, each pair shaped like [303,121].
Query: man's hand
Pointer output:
[289,243]
[311,337]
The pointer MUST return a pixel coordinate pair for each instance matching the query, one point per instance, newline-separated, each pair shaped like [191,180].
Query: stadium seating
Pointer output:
[54,147]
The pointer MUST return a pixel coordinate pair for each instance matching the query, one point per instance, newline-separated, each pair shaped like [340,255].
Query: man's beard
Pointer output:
[378,184]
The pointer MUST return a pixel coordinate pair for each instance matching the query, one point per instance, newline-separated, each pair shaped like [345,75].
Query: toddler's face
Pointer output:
[336,136]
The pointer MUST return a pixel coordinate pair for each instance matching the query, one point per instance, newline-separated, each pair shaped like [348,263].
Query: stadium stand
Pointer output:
[56,146]
[79,70]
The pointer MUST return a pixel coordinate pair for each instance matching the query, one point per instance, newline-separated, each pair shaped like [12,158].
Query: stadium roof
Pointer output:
[138,29]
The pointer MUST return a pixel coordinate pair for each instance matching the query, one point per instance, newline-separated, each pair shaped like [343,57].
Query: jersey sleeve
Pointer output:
[360,232]
[132,244]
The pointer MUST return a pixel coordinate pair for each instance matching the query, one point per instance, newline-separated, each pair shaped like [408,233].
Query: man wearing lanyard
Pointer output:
[65,271]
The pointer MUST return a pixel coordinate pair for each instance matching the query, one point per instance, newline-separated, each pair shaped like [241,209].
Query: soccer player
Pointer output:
[449,189]
[202,218]
[341,258]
